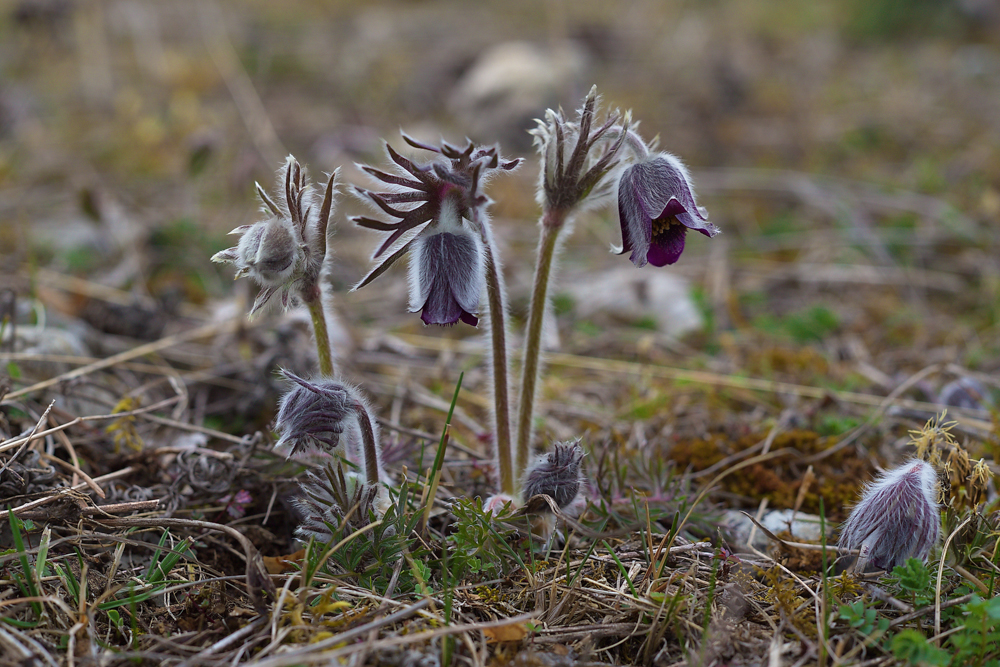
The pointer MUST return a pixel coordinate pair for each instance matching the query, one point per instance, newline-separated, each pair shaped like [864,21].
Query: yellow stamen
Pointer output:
[661,226]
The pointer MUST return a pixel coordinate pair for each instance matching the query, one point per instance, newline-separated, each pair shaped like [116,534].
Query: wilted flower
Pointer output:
[896,519]
[575,156]
[442,201]
[656,207]
[556,474]
[285,251]
[979,482]
[327,415]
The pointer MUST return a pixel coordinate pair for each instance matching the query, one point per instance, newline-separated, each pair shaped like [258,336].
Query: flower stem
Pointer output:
[552,224]
[370,446]
[501,393]
[313,299]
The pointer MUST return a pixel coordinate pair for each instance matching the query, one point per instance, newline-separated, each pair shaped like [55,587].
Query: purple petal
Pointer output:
[448,278]
[667,248]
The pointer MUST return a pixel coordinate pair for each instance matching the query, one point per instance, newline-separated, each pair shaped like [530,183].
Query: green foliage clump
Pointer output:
[480,544]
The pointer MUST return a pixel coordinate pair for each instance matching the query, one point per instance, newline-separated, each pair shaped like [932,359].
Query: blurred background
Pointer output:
[849,149]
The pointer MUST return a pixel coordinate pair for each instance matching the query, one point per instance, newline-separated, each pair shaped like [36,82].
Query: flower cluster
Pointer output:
[284,252]
[896,519]
[444,208]
[435,211]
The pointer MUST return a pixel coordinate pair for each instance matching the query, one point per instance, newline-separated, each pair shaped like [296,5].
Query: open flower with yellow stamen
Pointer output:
[656,206]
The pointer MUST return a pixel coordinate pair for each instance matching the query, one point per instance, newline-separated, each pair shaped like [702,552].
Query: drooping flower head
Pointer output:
[656,207]
[897,518]
[325,416]
[442,204]
[576,156]
[284,252]
[556,474]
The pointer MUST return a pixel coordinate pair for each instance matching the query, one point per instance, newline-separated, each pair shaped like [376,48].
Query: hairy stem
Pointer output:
[552,224]
[370,446]
[313,298]
[501,393]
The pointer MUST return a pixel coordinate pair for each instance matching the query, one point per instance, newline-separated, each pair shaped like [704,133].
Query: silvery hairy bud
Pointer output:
[556,474]
[331,417]
[896,519]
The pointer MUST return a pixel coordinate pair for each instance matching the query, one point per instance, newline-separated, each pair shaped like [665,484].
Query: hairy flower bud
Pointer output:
[269,253]
[331,417]
[556,474]
[897,518]
[313,414]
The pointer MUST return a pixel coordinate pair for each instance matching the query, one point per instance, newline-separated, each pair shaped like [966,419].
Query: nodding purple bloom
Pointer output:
[285,251]
[896,519]
[443,205]
[656,207]
[557,475]
[447,273]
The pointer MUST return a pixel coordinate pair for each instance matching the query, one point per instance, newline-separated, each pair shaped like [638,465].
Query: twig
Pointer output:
[169,341]
[15,442]
[940,574]
[259,584]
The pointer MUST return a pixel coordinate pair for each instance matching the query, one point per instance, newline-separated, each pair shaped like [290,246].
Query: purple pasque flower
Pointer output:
[285,251]
[656,207]
[442,210]
[447,271]
[556,474]
[897,518]
[576,156]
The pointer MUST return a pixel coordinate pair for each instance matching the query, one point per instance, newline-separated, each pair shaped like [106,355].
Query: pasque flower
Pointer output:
[441,204]
[284,252]
[897,518]
[656,207]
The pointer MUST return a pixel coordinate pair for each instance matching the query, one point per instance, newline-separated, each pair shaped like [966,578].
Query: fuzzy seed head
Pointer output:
[897,518]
